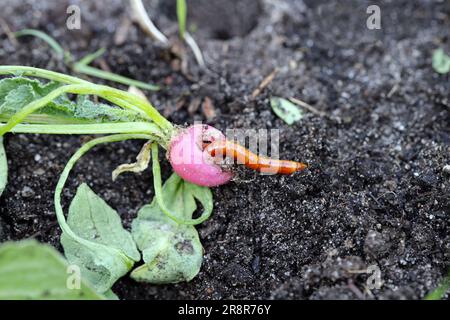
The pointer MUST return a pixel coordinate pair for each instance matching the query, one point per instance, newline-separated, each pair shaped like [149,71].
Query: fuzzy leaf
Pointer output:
[171,252]
[286,110]
[29,270]
[112,251]
[16,93]
[441,61]
[3,167]
[100,112]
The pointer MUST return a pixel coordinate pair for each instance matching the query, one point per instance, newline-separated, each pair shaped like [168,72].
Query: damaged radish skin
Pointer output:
[192,162]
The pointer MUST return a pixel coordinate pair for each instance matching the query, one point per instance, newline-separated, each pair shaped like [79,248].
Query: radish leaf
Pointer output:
[172,252]
[286,110]
[110,252]
[16,93]
[441,61]
[29,270]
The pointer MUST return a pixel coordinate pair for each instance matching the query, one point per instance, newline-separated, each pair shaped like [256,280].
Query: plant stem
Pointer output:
[43,36]
[94,128]
[42,102]
[146,24]
[181,15]
[54,76]
[91,57]
[113,95]
[91,71]
[65,174]
[41,73]
[157,184]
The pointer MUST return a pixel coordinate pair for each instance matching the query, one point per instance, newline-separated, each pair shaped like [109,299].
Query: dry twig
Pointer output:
[266,81]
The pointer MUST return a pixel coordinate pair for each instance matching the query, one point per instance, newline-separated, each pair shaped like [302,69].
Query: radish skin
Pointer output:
[191,162]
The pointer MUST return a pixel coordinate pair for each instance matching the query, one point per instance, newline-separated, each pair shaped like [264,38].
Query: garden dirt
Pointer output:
[376,195]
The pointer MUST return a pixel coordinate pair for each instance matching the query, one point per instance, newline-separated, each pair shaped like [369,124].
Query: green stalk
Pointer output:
[36,105]
[181,15]
[41,73]
[65,174]
[55,76]
[106,92]
[113,95]
[82,65]
[42,102]
[94,72]
[91,57]
[45,37]
[157,184]
[93,128]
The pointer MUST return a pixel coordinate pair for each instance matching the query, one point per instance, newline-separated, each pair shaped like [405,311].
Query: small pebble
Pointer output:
[446,168]
[39,172]
[27,192]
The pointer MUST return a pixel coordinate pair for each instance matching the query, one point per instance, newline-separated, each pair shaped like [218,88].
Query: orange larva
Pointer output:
[252,161]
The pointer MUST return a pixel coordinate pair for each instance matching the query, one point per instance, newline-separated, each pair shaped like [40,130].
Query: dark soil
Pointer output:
[376,192]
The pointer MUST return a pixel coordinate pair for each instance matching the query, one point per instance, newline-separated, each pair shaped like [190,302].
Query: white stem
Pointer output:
[195,49]
[145,22]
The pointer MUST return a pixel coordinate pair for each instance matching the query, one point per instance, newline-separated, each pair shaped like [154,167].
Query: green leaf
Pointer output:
[441,61]
[29,270]
[111,251]
[439,292]
[3,167]
[100,112]
[182,15]
[180,195]
[286,110]
[110,295]
[172,252]
[16,93]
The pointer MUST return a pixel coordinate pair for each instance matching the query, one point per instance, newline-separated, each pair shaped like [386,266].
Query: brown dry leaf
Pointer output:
[208,108]
[122,31]
[180,104]
[266,81]
[103,65]
[168,109]
[194,105]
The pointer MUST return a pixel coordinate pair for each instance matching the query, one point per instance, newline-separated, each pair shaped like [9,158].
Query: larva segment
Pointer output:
[241,155]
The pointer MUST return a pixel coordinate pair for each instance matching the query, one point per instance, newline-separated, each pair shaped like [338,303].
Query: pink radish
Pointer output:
[191,162]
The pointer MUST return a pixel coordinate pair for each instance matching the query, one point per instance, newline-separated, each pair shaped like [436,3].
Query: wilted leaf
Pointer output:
[3,167]
[142,161]
[29,270]
[286,110]
[441,61]
[172,252]
[109,252]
